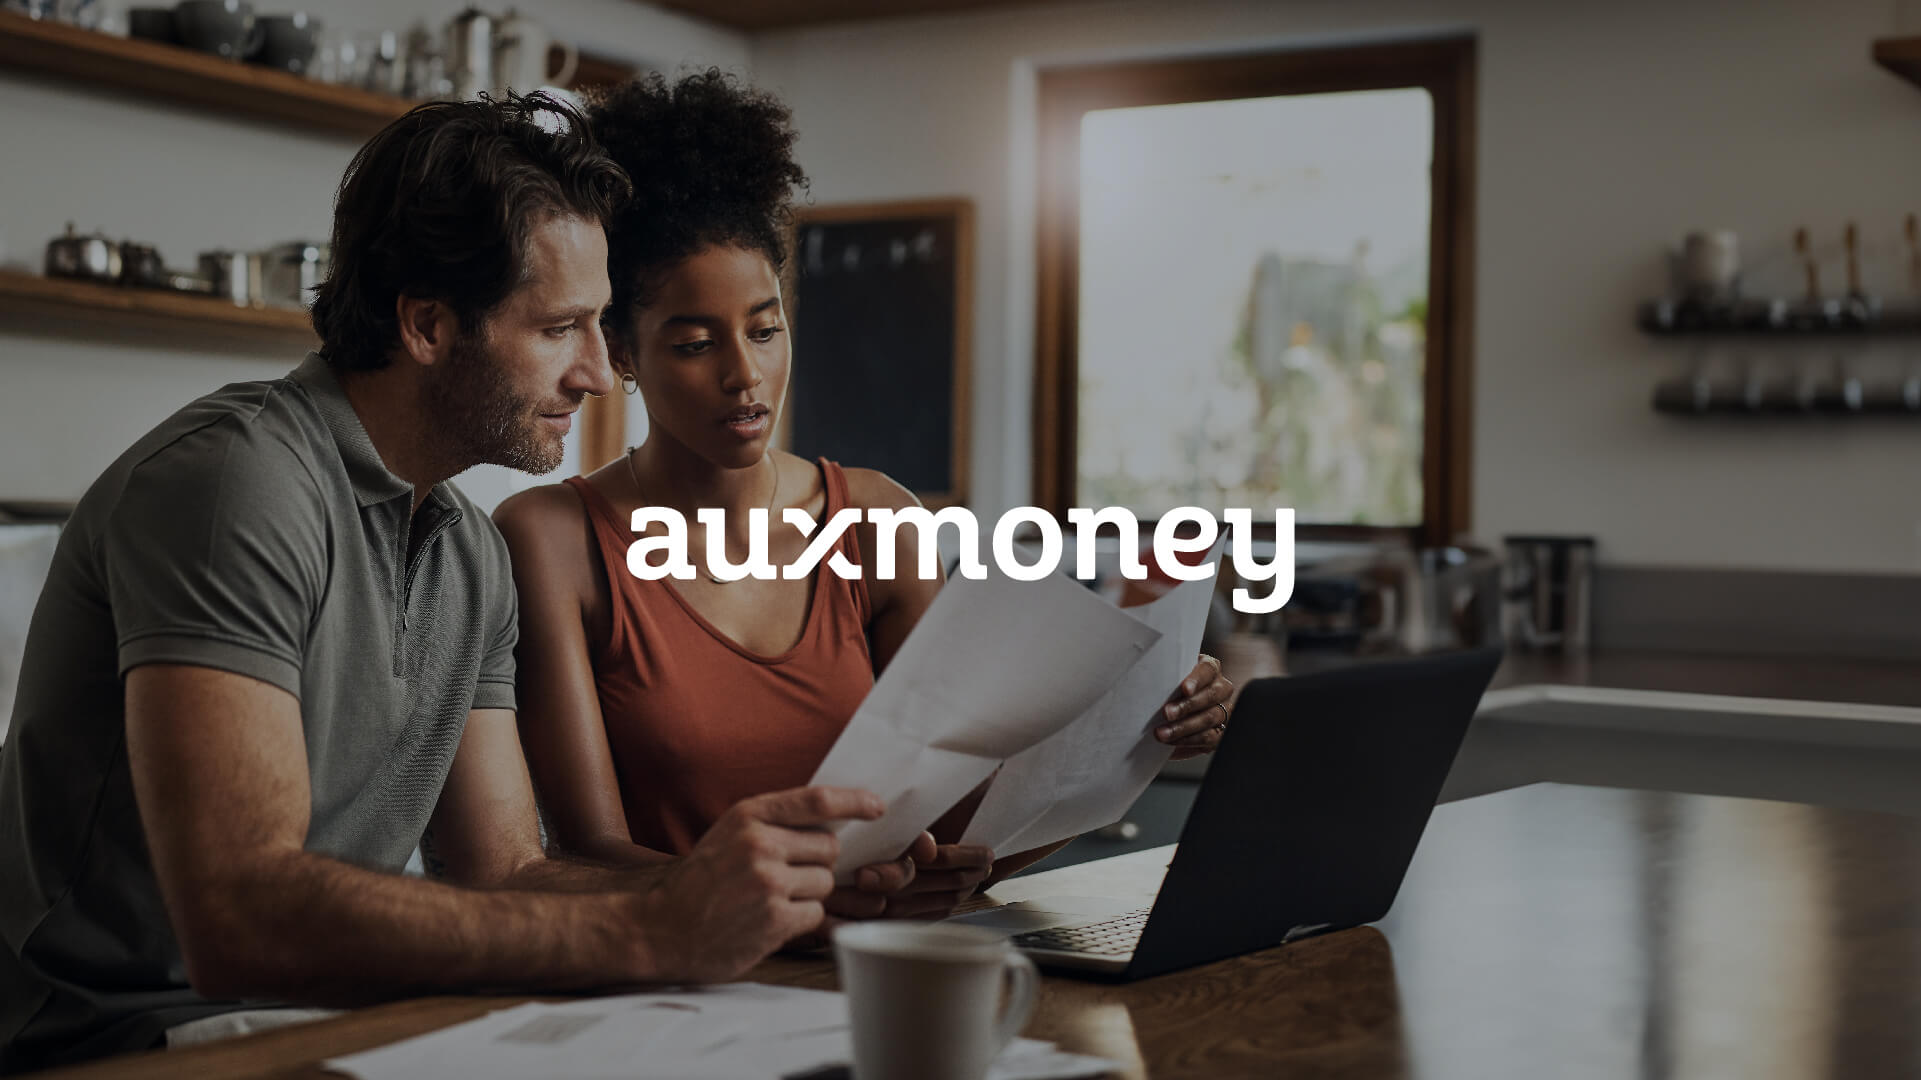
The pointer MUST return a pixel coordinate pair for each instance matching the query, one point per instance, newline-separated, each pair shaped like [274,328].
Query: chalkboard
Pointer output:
[881,318]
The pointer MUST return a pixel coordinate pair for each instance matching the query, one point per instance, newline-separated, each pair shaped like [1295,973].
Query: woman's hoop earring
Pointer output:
[628,384]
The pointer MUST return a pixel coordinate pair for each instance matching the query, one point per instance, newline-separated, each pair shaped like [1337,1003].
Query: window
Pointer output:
[1254,278]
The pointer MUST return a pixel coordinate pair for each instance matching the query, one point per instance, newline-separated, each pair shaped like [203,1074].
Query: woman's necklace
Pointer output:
[634,474]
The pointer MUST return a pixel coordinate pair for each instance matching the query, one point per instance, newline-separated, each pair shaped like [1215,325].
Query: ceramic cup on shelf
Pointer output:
[151,24]
[1711,266]
[221,27]
[931,1002]
[141,265]
[287,42]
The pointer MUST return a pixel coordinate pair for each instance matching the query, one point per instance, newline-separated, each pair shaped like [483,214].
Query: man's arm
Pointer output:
[220,773]
[486,832]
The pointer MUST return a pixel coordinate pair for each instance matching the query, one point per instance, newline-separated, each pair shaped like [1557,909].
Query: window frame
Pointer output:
[1445,68]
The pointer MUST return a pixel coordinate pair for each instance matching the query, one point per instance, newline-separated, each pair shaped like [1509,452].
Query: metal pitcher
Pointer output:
[470,54]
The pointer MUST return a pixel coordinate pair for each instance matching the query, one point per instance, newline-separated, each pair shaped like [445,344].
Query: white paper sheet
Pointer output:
[689,1033]
[993,667]
[739,1031]
[526,1040]
[1087,774]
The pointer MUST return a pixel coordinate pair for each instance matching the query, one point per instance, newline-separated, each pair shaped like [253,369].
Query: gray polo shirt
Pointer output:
[255,531]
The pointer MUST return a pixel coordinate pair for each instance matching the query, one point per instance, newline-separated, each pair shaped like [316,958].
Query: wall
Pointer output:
[1606,131]
[187,181]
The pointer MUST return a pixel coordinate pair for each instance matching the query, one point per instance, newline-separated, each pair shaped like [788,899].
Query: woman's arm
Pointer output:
[894,606]
[558,578]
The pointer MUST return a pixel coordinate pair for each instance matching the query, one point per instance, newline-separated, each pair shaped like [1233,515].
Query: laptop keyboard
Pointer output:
[1112,937]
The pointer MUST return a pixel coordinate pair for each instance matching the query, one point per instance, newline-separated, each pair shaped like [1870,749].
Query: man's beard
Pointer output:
[482,419]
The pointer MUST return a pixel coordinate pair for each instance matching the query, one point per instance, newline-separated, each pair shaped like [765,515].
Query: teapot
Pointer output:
[91,256]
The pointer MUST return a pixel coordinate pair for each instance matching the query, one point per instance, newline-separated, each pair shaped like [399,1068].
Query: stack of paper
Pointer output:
[740,1030]
[1088,773]
[993,667]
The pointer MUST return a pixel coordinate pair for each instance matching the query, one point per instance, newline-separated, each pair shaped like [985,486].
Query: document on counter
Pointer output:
[603,1038]
[1088,773]
[737,1031]
[993,667]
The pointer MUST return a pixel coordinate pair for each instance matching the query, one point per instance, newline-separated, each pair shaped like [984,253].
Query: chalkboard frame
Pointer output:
[960,212]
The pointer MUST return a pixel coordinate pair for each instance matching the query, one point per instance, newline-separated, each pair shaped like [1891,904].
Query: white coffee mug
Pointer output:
[1711,263]
[931,1001]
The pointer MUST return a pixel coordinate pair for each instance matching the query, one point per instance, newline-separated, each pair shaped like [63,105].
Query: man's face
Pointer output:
[507,395]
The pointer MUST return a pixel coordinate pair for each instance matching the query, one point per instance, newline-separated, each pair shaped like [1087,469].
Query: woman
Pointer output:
[649,707]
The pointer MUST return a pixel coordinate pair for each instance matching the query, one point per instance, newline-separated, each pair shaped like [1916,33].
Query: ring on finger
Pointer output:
[1222,726]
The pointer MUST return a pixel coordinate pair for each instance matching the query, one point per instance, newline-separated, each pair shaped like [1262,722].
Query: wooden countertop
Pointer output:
[1547,931]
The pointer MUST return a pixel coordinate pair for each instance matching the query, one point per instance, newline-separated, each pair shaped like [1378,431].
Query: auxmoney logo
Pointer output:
[663,555]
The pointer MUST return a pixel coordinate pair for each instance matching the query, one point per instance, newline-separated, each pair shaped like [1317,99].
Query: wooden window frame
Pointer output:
[961,410]
[1445,68]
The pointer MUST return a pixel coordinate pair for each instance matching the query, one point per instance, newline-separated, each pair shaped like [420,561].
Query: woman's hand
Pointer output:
[1195,716]
[875,885]
[941,881]
[928,882]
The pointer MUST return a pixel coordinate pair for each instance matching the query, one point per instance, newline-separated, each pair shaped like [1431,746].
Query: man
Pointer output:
[276,647]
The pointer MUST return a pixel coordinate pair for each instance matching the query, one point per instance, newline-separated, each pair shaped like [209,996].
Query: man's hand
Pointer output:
[757,880]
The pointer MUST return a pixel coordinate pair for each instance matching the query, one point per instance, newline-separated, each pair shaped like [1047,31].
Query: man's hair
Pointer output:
[712,164]
[441,204]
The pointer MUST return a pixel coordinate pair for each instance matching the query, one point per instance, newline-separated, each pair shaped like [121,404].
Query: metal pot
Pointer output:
[235,275]
[140,264]
[92,257]
[290,272]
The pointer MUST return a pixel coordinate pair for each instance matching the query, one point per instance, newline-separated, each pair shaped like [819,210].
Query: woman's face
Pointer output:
[711,354]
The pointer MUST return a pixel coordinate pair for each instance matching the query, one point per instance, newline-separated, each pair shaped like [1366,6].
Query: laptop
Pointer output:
[1306,822]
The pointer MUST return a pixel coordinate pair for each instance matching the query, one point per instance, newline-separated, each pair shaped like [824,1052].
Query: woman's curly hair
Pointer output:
[712,163]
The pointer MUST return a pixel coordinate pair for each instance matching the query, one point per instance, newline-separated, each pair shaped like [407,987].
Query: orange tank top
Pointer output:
[695,722]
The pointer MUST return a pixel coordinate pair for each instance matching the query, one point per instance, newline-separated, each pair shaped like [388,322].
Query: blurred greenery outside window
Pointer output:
[1253,306]
[1255,286]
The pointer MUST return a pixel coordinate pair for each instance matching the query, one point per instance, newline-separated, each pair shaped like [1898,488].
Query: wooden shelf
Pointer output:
[1780,320]
[32,297]
[1900,55]
[195,78]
